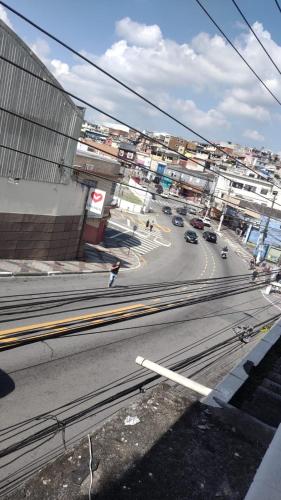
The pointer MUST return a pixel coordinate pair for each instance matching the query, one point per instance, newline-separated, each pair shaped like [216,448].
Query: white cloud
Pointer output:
[138,34]
[176,76]
[4,17]
[41,48]
[59,68]
[254,135]
[233,106]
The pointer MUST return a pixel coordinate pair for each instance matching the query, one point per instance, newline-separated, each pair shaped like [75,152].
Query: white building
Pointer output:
[244,187]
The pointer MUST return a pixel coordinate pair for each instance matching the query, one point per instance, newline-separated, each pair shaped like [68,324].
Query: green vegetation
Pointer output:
[129,196]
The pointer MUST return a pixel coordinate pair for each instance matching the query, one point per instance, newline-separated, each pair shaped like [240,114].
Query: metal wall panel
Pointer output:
[30,98]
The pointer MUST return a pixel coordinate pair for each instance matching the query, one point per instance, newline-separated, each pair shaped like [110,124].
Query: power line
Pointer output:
[153,140]
[85,143]
[77,417]
[237,51]
[278,6]
[124,85]
[94,175]
[256,36]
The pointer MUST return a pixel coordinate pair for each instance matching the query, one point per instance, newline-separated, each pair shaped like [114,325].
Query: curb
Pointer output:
[4,274]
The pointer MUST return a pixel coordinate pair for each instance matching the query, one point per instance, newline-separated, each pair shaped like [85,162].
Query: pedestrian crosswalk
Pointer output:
[141,242]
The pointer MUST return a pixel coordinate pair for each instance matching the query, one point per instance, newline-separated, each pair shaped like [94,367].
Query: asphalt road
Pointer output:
[73,376]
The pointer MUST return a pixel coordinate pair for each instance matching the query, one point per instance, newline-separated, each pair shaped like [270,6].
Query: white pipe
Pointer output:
[179,379]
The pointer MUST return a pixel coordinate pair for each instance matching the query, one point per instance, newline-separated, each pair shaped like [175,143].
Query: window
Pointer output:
[264,191]
[250,188]
[237,185]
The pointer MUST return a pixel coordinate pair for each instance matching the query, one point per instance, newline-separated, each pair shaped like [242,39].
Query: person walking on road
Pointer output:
[151,225]
[255,275]
[113,272]
[147,224]
[252,263]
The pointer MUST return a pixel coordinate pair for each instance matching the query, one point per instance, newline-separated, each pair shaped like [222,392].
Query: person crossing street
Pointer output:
[113,273]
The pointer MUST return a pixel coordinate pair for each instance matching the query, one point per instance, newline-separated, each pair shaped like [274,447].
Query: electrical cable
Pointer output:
[147,137]
[30,335]
[85,413]
[79,169]
[237,51]
[278,6]
[199,356]
[124,85]
[256,36]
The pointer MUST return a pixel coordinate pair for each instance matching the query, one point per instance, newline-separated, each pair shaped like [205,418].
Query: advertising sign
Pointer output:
[96,201]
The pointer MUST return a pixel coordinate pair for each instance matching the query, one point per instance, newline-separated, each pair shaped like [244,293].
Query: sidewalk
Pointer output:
[97,259]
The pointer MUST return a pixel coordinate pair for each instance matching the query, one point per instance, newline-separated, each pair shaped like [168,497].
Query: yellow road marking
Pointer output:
[48,324]
[165,229]
[36,336]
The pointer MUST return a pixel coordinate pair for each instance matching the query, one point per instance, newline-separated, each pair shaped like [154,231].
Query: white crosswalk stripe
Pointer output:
[143,241]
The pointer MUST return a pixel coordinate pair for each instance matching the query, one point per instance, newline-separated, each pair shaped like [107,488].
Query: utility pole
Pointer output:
[263,232]
[224,209]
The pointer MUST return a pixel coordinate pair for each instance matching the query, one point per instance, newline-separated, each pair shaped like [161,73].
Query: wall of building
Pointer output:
[41,205]
[223,186]
[40,220]
[41,198]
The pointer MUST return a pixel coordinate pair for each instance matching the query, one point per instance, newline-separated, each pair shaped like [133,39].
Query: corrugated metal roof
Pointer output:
[33,99]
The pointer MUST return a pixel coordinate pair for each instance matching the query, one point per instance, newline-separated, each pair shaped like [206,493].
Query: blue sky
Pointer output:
[172,53]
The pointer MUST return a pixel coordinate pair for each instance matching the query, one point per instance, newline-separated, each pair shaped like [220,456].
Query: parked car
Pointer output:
[167,210]
[191,237]
[197,223]
[177,220]
[164,195]
[210,236]
[181,211]
[159,189]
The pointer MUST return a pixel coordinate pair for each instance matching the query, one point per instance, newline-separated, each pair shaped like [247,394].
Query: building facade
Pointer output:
[103,174]
[41,205]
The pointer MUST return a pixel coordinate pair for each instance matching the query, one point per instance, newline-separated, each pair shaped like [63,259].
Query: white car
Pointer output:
[164,195]
[192,210]
[206,221]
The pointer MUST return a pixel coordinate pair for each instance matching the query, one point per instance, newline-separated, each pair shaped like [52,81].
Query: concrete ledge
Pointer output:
[267,481]
[226,389]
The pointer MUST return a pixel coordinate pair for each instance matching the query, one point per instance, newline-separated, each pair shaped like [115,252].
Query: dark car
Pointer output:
[210,236]
[167,210]
[181,211]
[191,237]
[177,221]
[197,223]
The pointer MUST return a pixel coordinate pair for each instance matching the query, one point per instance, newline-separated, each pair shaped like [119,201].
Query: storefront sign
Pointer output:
[96,201]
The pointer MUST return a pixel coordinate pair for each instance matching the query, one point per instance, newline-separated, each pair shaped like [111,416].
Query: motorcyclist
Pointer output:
[224,251]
